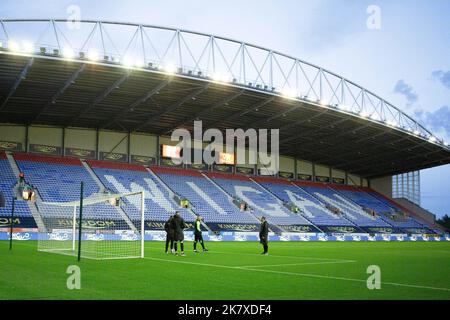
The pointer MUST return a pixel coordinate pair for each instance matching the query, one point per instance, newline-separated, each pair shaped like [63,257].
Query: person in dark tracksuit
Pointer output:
[198,237]
[169,234]
[178,226]
[264,235]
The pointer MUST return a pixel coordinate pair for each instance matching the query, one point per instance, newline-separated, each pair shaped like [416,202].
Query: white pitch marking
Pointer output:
[297,264]
[311,275]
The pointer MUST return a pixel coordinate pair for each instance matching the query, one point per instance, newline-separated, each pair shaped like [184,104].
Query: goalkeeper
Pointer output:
[198,237]
[178,226]
[169,234]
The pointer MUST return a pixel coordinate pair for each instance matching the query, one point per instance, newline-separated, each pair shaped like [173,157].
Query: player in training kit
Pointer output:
[169,234]
[198,234]
[178,226]
[264,235]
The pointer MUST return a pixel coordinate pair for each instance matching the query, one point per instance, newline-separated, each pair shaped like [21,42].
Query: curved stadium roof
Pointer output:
[141,78]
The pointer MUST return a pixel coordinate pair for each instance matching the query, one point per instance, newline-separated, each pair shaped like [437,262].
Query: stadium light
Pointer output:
[93,55]
[170,68]
[432,139]
[288,93]
[416,132]
[13,46]
[363,114]
[68,53]
[27,47]
[392,123]
[127,62]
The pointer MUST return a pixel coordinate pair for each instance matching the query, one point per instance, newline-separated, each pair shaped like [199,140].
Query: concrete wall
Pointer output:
[382,185]
[322,170]
[13,133]
[304,167]
[80,139]
[147,145]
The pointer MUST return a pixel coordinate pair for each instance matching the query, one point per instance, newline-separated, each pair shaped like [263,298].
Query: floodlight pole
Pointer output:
[80,220]
[12,223]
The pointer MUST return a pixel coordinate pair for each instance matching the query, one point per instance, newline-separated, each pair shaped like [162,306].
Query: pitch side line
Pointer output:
[257,254]
[297,264]
[311,275]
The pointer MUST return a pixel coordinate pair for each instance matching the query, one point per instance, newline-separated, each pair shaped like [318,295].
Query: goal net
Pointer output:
[102,226]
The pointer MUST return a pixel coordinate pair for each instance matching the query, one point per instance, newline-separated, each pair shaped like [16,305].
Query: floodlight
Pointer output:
[127,62]
[93,55]
[363,114]
[27,47]
[13,46]
[170,68]
[288,93]
[68,53]
[432,139]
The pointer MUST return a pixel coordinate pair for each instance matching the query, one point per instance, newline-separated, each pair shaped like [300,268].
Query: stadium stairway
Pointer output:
[205,198]
[351,210]
[413,221]
[265,183]
[127,178]
[102,190]
[310,207]
[45,172]
[172,195]
[31,206]
[261,202]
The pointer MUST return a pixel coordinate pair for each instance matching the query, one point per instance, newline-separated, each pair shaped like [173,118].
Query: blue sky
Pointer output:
[406,61]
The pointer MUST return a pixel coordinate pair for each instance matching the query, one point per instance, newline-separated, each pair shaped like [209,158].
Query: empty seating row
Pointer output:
[310,207]
[261,202]
[121,178]
[206,198]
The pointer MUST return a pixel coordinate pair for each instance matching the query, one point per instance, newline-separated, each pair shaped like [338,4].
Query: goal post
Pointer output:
[101,226]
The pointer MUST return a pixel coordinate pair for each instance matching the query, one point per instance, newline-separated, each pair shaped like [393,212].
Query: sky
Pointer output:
[404,59]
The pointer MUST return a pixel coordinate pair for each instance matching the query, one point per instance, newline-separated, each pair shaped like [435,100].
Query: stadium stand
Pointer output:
[213,195]
[261,202]
[126,178]
[207,199]
[393,209]
[7,183]
[310,207]
[46,172]
[346,207]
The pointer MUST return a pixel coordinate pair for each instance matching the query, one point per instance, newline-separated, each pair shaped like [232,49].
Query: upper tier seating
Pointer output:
[349,209]
[127,178]
[313,209]
[207,199]
[58,179]
[7,182]
[262,202]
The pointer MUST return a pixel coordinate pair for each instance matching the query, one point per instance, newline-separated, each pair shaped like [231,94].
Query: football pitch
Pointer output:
[235,270]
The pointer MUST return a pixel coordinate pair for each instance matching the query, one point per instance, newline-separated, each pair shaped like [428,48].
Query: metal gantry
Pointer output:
[201,56]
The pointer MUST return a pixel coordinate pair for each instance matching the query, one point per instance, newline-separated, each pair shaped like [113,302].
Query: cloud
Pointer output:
[406,90]
[437,121]
[443,77]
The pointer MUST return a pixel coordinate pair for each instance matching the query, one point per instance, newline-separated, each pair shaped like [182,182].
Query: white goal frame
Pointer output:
[48,233]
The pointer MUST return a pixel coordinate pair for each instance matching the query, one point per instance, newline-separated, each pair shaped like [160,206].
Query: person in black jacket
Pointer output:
[198,237]
[264,235]
[2,200]
[178,226]
[169,234]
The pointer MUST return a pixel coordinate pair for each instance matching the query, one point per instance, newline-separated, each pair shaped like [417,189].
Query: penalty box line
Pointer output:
[330,260]
[310,275]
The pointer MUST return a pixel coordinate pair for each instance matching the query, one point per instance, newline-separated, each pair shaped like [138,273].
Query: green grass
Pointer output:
[293,270]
